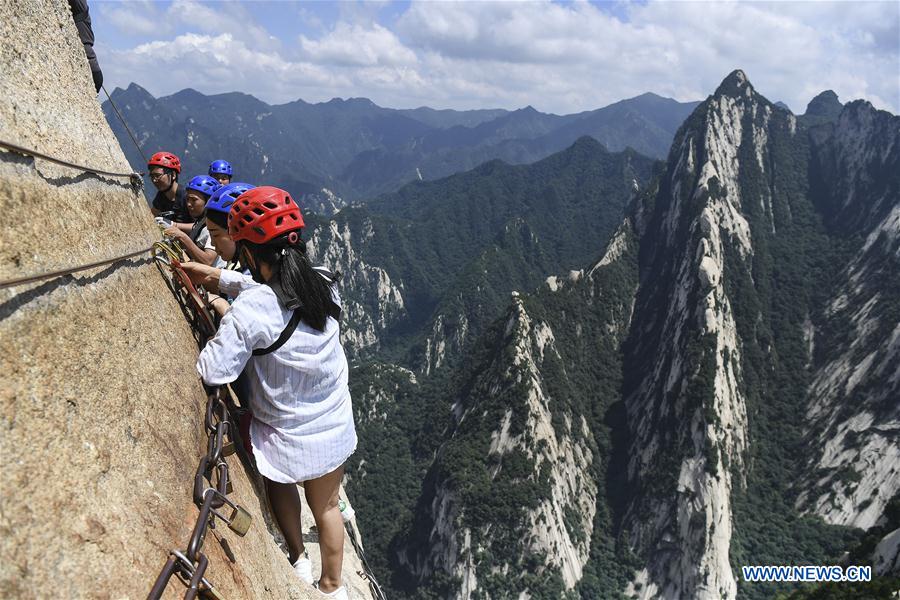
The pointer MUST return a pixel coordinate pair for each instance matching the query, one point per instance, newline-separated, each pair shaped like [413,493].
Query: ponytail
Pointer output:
[296,283]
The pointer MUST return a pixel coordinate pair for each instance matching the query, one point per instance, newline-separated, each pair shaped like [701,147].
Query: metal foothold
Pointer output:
[240,521]
[228,449]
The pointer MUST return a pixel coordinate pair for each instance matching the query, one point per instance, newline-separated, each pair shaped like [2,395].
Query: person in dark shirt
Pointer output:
[82,18]
[164,168]
[196,242]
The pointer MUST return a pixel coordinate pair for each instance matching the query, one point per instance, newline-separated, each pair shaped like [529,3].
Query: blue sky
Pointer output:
[559,57]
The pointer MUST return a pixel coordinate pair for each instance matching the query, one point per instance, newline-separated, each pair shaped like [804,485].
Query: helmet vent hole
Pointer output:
[269,204]
[279,221]
[259,211]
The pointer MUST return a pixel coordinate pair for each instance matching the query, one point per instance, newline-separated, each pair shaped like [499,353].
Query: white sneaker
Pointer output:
[303,568]
[338,594]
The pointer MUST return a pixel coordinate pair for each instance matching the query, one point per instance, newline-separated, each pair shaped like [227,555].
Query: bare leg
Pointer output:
[322,497]
[285,501]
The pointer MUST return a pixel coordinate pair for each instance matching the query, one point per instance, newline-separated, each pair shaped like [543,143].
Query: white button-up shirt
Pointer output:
[302,416]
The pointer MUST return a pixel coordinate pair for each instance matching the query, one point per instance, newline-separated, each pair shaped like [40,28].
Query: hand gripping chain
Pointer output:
[168,255]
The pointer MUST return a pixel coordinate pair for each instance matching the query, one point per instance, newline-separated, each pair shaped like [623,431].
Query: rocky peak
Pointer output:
[825,104]
[187,94]
[134,95]
[856,157]
[135,89]
[705,161]
[689,330]
[735,85]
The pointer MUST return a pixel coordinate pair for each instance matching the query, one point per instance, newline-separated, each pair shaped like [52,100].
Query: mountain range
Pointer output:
[330,153]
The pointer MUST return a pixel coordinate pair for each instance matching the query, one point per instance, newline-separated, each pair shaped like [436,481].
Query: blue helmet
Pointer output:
[225,196]
[203,184]
[220,167]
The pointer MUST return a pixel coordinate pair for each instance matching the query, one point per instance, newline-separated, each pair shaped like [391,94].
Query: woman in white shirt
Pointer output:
[283,325]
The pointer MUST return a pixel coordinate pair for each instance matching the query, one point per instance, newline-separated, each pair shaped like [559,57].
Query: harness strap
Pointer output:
[284,337]
[296,318]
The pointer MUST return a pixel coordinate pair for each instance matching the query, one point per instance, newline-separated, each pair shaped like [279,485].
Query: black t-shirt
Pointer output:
[162,203]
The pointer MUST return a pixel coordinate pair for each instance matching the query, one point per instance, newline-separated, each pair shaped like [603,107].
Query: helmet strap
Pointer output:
[170,172]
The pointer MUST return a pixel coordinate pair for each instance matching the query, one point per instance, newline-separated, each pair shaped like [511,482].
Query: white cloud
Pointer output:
[217,64]
[134,18]
[557,57]
[309,18]
[222,17]
[678,49]
[355,45]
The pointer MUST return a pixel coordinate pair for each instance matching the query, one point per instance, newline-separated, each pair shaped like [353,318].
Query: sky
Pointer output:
[559,57]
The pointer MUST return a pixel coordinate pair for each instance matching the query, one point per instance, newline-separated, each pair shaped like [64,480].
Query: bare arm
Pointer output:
[204,275]
[207,257]
[219,304]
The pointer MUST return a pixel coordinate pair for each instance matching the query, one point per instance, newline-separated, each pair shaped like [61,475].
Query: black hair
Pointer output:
[295,282]
[219,218]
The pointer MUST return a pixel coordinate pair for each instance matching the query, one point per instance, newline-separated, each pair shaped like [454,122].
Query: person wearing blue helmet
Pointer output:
[217,218]
[221,171]
[197,241]
[217,208]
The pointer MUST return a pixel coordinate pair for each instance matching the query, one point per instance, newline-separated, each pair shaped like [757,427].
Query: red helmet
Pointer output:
[166,160]
[262,214]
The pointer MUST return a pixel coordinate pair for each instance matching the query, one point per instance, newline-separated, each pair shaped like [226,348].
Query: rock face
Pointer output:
[513,495]
[558,457]
[690,321]
[853,413]
[101,407]
[372,301]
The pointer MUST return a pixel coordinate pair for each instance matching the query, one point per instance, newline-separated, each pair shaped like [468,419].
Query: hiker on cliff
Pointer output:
[221,171]
[217,209]
[197,241]
[164,168]
[284,326]
[82,17]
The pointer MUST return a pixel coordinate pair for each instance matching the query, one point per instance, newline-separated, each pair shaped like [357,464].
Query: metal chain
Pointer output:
[8,283]
[366,573]
[134,177]
[212,484]
[168,255]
